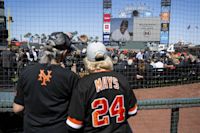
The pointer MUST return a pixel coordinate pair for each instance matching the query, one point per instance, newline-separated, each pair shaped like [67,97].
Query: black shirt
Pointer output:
[45,90]
[102,103]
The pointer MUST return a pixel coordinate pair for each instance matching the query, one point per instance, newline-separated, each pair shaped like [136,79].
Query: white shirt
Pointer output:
[139,56]
[118,36]
[28,56]
[34,55]
[159,64]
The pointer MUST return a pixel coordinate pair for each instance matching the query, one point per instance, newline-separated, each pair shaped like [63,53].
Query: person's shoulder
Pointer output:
[89,79]
[65,72]
[30,69]
[73,74]
[126,31]
[86,78]
[32,66]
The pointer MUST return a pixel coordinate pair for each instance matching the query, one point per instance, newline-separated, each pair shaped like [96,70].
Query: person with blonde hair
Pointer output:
[103,100]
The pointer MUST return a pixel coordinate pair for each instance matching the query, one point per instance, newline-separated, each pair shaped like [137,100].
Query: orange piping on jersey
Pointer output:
[75,121]
[102,70]
[130,110]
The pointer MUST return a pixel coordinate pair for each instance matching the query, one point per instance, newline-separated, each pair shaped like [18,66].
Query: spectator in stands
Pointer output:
[44,89]
[140,55]
[34,53]
[40,52]
[131,72]
[83,41]
[159,63]
[21,60]
[121,34]
[101,89]
[8,60]
[121,64]
[29,57]
[146,55]
[141,67]
[148,67]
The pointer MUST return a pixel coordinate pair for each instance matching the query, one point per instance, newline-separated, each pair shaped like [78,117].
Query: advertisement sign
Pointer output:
[164,37]
[165,16]
[106,27]
[107,11]
[165,8]
[165,27]
[106,37]
[107,4]
[165,2]
[106,18]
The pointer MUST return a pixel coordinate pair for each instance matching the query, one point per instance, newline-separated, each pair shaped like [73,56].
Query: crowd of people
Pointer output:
[133,64]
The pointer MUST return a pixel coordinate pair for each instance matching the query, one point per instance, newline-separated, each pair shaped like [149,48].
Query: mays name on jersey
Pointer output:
[106,82]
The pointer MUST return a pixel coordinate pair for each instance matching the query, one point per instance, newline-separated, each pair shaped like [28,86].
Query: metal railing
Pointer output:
[173,104]
[6,100]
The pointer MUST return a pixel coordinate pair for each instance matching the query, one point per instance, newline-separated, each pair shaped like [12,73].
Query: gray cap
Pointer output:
[96,51]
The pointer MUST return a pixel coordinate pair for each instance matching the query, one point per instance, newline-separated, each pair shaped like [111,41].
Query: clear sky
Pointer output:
[85,16]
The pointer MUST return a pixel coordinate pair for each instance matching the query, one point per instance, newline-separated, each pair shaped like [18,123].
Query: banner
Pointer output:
[107,4]
[106,18]
[106,27]
[164,37]
[165,16]
[165,2]
[164,26]
[106,37]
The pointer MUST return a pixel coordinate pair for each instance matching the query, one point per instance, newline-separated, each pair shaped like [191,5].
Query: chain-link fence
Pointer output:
[139,74]
[154,43]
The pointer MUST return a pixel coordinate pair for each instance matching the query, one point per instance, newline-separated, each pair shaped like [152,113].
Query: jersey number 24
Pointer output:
[101,106]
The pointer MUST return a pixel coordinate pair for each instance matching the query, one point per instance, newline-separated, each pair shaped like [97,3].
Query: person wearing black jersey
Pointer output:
[103,100]
[44,89]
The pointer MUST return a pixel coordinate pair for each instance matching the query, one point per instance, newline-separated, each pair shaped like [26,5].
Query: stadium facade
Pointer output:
[3,30]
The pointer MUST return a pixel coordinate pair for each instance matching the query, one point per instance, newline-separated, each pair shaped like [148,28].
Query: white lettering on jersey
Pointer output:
[107,82]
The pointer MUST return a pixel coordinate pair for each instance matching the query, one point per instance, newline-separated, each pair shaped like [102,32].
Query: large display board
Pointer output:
[146,29]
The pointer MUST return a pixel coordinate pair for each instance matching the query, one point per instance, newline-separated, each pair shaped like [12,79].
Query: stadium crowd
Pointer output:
[135,65]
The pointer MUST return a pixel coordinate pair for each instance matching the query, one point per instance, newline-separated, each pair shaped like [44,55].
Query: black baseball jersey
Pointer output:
[44,91]
[102,103]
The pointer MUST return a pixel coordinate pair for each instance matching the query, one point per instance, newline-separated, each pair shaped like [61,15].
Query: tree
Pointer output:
[96,38]
[37,37]
[27,35]
[43,38]
[91,39]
